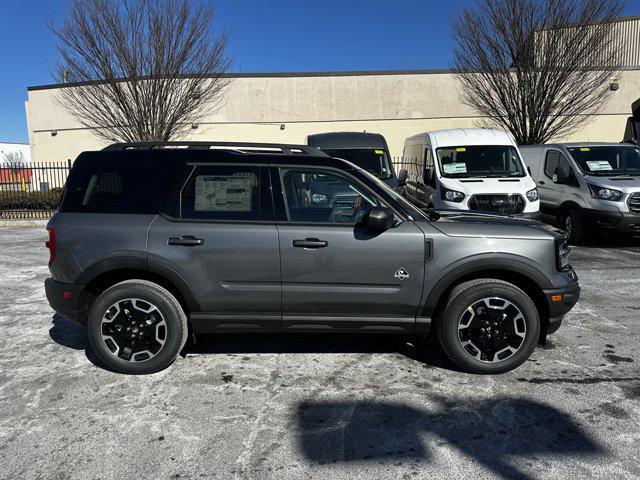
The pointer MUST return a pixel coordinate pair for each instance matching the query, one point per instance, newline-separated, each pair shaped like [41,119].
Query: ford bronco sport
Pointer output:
[151,242]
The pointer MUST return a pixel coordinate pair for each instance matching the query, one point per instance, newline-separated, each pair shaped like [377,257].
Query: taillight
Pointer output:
[51,244]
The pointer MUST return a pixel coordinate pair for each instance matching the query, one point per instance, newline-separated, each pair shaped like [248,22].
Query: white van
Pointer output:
[588,186]
[468,169]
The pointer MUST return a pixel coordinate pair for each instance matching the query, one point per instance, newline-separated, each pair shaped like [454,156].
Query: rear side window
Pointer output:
[226,192]
[120,182]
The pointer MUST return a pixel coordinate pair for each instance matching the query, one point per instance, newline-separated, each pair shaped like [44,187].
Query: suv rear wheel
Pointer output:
[488,326]
[137,327]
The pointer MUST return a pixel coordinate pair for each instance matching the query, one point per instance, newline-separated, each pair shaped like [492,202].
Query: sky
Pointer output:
[266,36]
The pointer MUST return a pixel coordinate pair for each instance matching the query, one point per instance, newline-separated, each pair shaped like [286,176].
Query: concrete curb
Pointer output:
[35,223]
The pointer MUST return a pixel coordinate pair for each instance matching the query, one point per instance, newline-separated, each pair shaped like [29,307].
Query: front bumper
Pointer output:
[560,301]
[64,298]
[530,215]
[628,222]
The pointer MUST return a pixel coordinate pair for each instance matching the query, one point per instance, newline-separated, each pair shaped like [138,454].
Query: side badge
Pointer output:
[401,274]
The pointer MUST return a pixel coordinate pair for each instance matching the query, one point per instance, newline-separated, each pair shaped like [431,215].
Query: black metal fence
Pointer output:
[31,190]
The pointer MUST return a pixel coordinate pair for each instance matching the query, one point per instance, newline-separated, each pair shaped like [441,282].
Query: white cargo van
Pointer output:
[588,186]
[468,169]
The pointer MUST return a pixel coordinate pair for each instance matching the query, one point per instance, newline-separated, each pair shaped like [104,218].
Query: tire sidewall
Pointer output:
[459,303]
[170,310]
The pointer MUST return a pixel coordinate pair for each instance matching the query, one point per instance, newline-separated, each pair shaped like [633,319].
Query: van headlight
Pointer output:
[451,195]
[563,251]
[532,195]
[602,193]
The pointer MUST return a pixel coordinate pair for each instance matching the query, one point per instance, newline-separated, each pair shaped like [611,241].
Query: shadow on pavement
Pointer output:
[67,333]
[426,351]
[71,335]
[490,432]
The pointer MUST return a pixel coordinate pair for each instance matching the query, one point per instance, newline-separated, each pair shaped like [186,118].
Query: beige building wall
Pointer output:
[395,104]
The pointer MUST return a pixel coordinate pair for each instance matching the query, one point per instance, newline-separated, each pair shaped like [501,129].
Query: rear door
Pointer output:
[336,273]
[222,240]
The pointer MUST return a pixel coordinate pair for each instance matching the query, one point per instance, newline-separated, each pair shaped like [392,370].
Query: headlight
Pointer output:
[532,195]
[451,195]
[602,193]
[563,250]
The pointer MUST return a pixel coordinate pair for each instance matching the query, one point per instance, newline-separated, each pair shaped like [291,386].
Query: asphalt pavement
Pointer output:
[334,407]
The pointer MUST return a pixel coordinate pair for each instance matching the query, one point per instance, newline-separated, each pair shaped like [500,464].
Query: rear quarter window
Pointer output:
[120,182]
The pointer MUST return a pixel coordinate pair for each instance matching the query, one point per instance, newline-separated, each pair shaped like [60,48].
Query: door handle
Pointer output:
[310,243]
[186,241]
[541,182]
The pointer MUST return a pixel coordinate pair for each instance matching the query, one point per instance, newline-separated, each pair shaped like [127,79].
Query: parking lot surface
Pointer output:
[333,407]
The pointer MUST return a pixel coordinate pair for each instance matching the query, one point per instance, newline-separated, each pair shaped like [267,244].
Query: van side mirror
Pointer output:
[402,177]
[380,219]
[561,175]
[529,170]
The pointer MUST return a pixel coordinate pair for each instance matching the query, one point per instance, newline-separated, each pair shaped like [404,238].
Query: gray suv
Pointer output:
[153,243]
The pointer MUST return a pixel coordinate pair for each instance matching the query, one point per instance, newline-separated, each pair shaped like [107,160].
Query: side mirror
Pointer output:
[561,175]
[402,177]
[529,170]
[380,219]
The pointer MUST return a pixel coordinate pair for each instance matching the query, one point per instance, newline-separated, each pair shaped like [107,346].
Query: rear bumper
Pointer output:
[560,301]
[613,221]
[67,307]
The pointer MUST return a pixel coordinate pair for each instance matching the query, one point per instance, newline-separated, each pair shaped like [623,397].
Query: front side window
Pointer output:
[480,161]
[223,193]
[607,160]
[315,195]
[372,160]
[551,163]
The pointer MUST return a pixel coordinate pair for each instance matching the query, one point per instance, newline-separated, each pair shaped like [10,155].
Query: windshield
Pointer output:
[373,160]
[414,212]
[480,161]
[608,160]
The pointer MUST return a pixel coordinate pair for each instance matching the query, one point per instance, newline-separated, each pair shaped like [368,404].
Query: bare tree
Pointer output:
[140,70]
[14,158]
[537,68]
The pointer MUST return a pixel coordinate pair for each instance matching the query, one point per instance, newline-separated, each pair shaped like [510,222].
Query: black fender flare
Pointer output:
[140,262]
[484,262]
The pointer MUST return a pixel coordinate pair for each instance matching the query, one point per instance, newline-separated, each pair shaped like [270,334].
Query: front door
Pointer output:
[223,242]
[336,274]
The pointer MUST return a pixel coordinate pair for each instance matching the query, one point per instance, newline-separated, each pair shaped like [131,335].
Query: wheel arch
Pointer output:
[108,272]
[522,275]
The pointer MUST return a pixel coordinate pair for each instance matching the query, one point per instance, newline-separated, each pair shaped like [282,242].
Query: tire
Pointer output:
[519,330]
[140,320]
[571,221]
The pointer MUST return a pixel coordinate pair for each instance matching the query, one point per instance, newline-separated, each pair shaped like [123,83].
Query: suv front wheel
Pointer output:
[488,326]
[137,327]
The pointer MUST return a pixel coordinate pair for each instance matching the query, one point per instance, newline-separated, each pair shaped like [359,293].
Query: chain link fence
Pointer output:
[31,190]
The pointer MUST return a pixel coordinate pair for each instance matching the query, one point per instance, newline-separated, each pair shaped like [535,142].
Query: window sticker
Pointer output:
[599,166]
[461,149]
[379,152]
[223,193]
[455,168]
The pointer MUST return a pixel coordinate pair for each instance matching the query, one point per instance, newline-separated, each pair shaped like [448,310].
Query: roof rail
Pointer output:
[237,147]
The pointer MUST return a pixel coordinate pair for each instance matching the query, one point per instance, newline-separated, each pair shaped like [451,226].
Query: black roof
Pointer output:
[202,155]
[347,140]
[237,147]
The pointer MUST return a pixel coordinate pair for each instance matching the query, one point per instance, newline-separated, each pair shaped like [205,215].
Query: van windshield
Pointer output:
[480,161]
[375,161]
[607,160]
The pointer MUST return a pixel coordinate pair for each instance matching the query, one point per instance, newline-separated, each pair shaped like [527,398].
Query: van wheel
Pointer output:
[488,326]
[572,223]
[137,327]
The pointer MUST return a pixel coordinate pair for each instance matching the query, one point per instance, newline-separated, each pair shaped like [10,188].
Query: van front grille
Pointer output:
[500,204]
[634,202]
